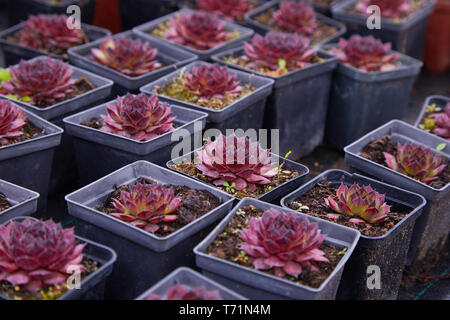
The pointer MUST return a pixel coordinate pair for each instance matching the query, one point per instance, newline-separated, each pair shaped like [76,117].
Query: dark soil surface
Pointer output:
[4,204]
[314,200]
[194,204]
[277,180]
[30,132]
[321,32]
[374,152]
[48,292]
[81,86]
[227,246]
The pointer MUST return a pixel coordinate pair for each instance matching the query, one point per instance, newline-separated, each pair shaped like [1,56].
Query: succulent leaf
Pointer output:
[442,123]
[12,119]
[391,9]
[179,292]
[295,17]
[226,9]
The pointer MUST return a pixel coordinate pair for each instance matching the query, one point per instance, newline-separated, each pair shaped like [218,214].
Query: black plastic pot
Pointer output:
[245,34]
[29,163]
[406,37]
[98,153]
[325,10]
[298,104]
[362,101]
[93,286]
[143,258]
[440,102]
[388,252]
[273,195]
[13,52]
[245,113]
[136,12]
[19,10]
[433,226]
[263,29]
[23,201]
[189,279]
[257,285]
[173,58]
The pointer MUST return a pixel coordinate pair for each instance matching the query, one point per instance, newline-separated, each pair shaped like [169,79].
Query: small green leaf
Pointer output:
[5,75]
[282,63]
[26,99]
[344,251]
[226,184]
[441,147]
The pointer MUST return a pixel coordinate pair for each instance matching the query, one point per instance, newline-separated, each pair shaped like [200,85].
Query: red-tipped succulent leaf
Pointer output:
[297,17]
[12,119]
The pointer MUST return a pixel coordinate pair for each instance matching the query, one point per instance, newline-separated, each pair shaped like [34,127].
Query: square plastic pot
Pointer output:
[362,101]
[173,58]
[23,201]
[440,102]
[143,258]
[273,195]
[433,226]
[136,12]
[298,104]
[245,34]
[406,37]
[388,252]
[245,113]
[325,10]
[189,279]
[14,52]
[263,29]
[93,286]
[29,163]
[257,285]
[98,153]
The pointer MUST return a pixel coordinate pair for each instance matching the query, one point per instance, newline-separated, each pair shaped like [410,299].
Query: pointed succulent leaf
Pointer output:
[295,17]
[12,119]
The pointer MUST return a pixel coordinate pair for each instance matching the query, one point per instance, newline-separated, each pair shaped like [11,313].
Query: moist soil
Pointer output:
[177,90]
[194,204]
[80,87]
[313,203]
[4,204]
[415,6]
[374,152]
[52,292]
[277,180]
[241,61]
[226,246]
[29,132]
[321,32]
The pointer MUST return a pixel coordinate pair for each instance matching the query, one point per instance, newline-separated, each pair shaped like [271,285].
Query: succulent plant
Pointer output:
[131,57]
[179,292]
[416,161]
[231,159]
[297,17]
[146,205]
[209,81]
[283,241]
[43,80]
[442,123]
[199,30]
[227,9]
[138,117]
[37,253]
[12,119]
[391,9]
[274,47]
[360,202]
[366,54]
[47,31]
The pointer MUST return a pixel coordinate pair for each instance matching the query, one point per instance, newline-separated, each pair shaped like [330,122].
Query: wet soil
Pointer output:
[29,132]
[4,204]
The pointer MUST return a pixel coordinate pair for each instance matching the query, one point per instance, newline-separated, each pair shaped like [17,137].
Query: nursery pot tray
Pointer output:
[432,227]
[93,286]
[361,101]
[406,37]
[298,103]
[23,201]
[245,34]
[388,251]
[262,28]
[13,52]
[139,252]
[245,113]
[257,285]
[172,58]
[189,279]
[113,152]
[440,102]
[273,195]
[29,163]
